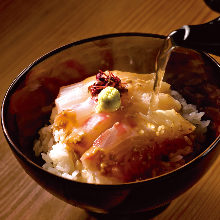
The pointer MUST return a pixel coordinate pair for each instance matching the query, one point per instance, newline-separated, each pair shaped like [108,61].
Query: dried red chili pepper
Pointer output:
[103,80]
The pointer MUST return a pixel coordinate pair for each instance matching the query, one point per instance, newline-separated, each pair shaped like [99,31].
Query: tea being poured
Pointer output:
[160,66]
[204,37]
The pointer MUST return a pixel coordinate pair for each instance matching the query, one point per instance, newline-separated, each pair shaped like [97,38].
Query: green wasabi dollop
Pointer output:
[108,100]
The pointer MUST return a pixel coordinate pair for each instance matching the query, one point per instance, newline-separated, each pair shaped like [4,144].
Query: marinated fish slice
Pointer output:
[101,155]
[78,136]
[168,124]
[126,154]
[72,95]
[167,102]
[135,78]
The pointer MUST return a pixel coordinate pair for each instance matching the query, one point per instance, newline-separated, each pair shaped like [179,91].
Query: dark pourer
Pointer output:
[203,37]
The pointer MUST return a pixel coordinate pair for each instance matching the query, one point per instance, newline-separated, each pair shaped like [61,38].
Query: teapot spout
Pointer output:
[203,37]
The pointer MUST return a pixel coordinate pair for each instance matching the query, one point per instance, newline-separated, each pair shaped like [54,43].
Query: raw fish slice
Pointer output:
[146,79]
[112,137]
[104,157]
[168,124]
[71,95]
[92,129]
[79,137]
[167,102]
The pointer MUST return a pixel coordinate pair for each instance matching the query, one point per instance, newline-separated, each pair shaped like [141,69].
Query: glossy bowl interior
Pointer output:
[30,98]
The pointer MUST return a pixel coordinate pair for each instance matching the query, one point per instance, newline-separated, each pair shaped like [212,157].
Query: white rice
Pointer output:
[60,161]
[190,113]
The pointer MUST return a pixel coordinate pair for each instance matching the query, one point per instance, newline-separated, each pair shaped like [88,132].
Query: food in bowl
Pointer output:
[103,130]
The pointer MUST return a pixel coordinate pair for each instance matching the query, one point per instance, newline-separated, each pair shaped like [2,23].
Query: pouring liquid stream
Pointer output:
[161,63]
[203,37]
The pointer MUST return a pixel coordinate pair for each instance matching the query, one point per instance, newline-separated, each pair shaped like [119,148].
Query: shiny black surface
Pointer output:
[213,4]
[203,37]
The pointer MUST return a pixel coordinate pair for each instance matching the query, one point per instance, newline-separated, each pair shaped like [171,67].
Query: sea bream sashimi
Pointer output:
[106,120]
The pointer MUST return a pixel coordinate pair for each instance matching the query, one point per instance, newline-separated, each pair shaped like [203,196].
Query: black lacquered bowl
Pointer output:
[28,102]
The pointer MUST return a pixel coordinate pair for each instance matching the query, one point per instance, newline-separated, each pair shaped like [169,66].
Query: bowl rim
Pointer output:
[24,72]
